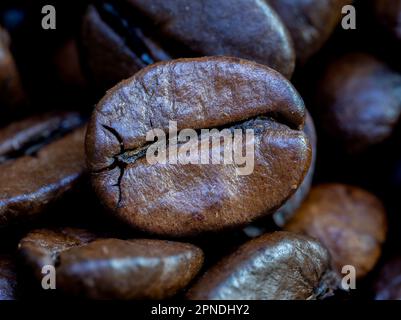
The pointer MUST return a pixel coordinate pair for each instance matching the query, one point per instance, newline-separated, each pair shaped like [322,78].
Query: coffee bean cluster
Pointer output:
[84,214]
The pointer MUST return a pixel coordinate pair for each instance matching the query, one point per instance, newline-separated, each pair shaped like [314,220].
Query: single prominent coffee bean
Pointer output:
[8,278]
[388,13]
[359,101]
[388,283]
[40,248]
[275,266]
[179,199]
[282,215]
[11,91]
[310,22]
[123,36]
[349,221]
[128,269]
[40,159]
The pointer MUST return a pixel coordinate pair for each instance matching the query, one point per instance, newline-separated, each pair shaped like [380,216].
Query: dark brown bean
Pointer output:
[282,215]
[359,101]
[201,93]
[42,247]
[128,269]
[40,159]
[310,22]
[349,221]
[122,37]
[275,266]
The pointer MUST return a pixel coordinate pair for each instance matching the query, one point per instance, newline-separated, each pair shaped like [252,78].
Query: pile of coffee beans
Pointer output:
[200,149]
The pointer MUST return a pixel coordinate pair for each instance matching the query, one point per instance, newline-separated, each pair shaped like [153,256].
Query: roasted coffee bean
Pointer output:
[348,221]
[128,269]
[275,266]
[359,101]
[203,93]
[123,36]
[42,247]
[389,12]
[40,159]
[8,278]
[310,22]
[388,283]
[11,92]
[282,215]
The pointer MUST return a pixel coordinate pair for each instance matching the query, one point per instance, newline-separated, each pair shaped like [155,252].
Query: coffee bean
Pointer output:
[388,13]
[8,278]
[203,93]
[121,37]
[359,102]
[282,215]
[275,266]
[40,159]
[128,269]
[310,23]
[42,247]
[388,284]
[349,221]
[11,92]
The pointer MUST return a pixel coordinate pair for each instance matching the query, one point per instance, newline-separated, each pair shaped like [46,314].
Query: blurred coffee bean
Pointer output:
[348,221]
[358,102]
[40,159]
[282,215]
[388,12]
[388,283]
[204,93]
[42,247]
[128,269]
[8,278]
[275,266]
[310,22]
[11,92]
[121,37]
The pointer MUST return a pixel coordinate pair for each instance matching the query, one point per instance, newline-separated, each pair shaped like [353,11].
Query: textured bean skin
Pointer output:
[128,269]
[197,93]
[359,101]
[276,266]
[349,221]
[30,182]
[310,23]
[282,215]
[248,29]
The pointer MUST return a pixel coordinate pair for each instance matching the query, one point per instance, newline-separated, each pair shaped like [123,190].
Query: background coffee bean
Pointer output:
[349,222]
[8,278]
[199,94]
[40,159]
[359,101]
[11,92]
[135,33]
[130,269]
[310,23]
[260,269]
[388,285]
[388,13]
